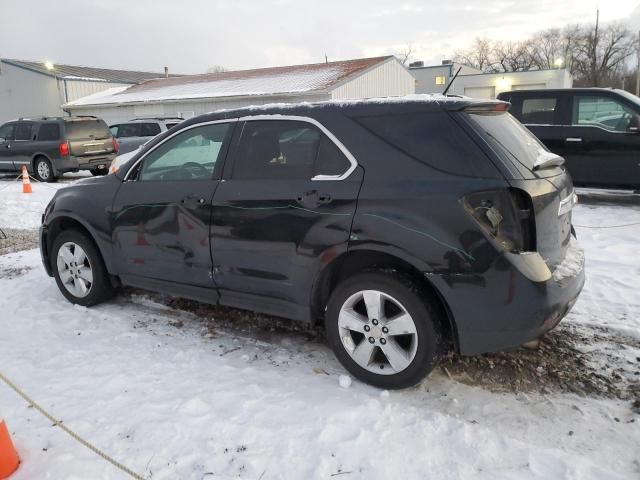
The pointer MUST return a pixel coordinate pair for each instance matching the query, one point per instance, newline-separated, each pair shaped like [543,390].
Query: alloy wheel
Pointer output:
[378,332]
[44,171]
[74,269]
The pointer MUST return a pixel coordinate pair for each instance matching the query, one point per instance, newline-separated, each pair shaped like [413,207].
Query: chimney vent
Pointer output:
[416,64]
[166,72]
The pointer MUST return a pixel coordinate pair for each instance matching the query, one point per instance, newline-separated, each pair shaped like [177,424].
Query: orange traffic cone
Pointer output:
[26,184]
[9,460]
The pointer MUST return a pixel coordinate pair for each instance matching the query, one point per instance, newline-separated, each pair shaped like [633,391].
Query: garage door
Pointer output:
[480,92]
[529,86]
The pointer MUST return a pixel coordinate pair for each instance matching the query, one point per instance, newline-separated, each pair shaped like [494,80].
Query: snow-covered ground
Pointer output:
[172,397]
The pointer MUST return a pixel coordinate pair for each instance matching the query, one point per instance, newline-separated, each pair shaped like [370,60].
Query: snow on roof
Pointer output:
[265,81]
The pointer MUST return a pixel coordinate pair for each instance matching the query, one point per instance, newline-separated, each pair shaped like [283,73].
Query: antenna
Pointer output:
[451,81]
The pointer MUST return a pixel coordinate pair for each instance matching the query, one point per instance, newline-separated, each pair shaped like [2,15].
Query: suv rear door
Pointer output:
[601,147]
[283,211]
[88,138]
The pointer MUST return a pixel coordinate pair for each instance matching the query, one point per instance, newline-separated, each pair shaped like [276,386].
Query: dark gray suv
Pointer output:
[408,226]
[51,146]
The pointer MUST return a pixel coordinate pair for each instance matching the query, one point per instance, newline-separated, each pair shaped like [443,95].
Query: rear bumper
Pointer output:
[73,164]
[513,302]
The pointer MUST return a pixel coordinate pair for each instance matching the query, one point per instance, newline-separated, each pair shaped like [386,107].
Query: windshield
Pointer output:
[82,129]
[509,136]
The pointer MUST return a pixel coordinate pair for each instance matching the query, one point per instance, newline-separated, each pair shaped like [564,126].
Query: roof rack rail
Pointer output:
[40,117]
[156,117]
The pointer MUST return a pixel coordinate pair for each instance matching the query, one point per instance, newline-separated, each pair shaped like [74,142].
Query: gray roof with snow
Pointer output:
[294,79]
[89,74]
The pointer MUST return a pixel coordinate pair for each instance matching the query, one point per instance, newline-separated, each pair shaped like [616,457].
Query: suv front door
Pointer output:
[602,148]
[284,210]
[161,213]
[7,133]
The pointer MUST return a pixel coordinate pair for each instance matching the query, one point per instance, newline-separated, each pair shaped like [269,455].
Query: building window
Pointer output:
[440,79]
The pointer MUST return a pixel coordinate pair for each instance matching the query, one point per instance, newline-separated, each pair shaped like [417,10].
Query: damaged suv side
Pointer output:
[408,226]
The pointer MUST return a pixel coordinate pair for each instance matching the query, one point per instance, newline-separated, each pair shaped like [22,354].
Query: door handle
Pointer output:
[313,199]
[573,140]
[191,199]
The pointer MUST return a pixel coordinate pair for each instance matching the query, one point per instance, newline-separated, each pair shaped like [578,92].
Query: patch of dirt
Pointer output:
[572,358]
[14,240]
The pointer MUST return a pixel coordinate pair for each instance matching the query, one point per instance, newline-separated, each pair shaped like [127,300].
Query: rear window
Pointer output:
[48,132]
[509,136]
[80,129]
[431,138]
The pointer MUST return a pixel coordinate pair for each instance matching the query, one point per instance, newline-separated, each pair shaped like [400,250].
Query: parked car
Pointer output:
[596,130]
[138,131]
[408,227]
[51,146]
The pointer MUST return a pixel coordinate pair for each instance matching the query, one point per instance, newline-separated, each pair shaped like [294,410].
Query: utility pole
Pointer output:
[638,70]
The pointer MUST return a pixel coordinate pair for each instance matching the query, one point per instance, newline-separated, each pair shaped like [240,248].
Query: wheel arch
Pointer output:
[68,221]
[356,261]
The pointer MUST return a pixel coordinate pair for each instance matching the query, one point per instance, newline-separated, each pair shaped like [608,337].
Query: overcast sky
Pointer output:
[189,36]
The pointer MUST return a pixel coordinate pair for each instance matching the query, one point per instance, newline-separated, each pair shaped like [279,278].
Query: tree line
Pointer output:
[595,55]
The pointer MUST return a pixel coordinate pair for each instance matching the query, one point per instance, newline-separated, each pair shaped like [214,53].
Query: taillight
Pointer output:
[115,144]
[506,215]
[488,108]
[64,149]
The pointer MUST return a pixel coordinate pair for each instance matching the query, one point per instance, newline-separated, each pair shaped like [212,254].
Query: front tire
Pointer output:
[79,270]
[383,329]
[43,171]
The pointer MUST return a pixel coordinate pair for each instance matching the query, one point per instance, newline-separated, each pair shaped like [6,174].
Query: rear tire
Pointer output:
[98,172]
[79,270]
[378,351]
[43,171]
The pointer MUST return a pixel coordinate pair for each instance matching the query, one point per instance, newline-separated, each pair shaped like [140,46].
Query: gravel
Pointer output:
[14,240]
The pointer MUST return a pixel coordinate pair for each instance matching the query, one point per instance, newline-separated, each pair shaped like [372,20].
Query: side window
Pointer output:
[539,110]
[129,130]
[330,160]
[149,129]
[48,132]
[23,131]
[7,130]
[434,139]
[601,112]
[114,130]
[192,154]
[286,150]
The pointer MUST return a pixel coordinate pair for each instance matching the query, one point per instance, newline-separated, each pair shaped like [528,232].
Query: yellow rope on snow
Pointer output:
[70,432]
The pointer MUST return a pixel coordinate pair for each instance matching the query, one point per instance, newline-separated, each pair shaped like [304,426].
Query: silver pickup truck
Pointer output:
[135,132]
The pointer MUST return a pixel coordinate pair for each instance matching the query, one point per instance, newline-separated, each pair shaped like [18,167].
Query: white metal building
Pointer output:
[40,88]
[196,94]
[474,83]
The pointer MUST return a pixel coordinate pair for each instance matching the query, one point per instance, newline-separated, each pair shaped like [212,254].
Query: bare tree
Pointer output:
[513,56]
[216,69]
[603,52]
[405,55]
[478,56]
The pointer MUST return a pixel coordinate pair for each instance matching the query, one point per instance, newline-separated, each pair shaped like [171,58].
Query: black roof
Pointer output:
[373,106]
